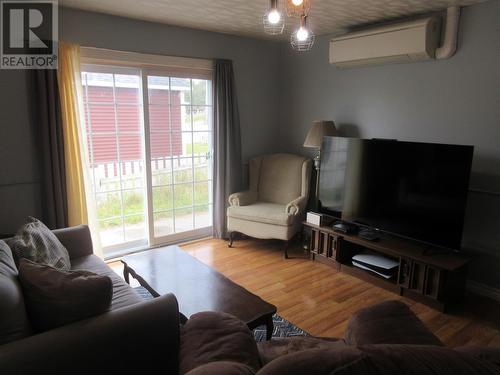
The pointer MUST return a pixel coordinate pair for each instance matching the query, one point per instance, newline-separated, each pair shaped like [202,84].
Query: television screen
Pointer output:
[414,190]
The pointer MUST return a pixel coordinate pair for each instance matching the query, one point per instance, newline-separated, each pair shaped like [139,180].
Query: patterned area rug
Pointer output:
[282,327]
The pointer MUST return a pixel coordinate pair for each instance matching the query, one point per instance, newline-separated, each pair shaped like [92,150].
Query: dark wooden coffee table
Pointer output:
[196,286]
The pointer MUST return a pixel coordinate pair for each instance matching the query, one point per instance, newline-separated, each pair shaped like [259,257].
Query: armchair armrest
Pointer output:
[297,206]
[142,338]
[243,198]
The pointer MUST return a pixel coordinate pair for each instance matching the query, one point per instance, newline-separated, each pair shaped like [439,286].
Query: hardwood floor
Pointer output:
[320,300]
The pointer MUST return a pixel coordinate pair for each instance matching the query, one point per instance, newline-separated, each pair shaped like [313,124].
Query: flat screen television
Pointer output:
[410,189]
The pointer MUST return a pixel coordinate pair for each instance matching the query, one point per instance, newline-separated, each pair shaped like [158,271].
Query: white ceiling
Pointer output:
[244,17]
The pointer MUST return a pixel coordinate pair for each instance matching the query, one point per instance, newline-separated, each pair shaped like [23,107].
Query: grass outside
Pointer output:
[165,198]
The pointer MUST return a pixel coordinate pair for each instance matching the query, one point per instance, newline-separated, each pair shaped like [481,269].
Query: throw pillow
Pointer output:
[14,324]
[55,297]
[36,242]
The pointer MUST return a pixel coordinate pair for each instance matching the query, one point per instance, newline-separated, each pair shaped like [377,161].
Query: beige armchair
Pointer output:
[275,204]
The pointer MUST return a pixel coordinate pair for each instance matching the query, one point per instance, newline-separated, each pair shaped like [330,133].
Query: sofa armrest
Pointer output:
[297,206]
[76,240]
[243,198]
[141,338]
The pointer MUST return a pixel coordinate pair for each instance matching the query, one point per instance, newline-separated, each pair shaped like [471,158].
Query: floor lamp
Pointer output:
[314,139]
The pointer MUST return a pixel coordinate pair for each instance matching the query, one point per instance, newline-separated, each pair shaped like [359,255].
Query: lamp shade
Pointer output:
[319,130]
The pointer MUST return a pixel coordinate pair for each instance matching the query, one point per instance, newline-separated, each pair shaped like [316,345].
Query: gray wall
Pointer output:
[449,101]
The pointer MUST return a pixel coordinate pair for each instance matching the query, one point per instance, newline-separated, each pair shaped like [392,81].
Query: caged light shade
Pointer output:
[297,8]
[302,40]
[274,19]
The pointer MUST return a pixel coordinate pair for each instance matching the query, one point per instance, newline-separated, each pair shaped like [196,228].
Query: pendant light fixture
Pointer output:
[297,8]
[302,39]
[274,19]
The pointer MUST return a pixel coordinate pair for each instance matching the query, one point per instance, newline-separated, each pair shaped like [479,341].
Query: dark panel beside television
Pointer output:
[411,189]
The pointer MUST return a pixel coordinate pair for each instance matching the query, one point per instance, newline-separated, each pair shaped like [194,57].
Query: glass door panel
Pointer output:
[114,133]
[180,139]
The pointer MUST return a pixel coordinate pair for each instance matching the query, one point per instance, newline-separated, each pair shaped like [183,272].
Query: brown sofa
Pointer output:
[135,336]
[145,337]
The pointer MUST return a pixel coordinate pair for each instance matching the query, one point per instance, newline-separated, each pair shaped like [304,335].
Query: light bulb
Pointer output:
[302,34]
[274,17]
[297,2]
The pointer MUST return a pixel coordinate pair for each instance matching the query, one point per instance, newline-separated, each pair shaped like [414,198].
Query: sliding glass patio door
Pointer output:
[180,149]
[149,144]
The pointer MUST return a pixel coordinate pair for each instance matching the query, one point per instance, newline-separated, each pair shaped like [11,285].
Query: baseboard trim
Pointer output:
[483,290]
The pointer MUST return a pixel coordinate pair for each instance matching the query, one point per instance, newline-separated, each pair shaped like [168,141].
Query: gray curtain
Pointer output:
[227,144]
[48,124]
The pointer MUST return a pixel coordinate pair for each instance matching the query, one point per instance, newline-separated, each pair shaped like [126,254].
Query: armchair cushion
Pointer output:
[243,198]
[261,212]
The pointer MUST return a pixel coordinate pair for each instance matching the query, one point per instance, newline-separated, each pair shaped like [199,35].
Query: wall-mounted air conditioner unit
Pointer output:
[396,43]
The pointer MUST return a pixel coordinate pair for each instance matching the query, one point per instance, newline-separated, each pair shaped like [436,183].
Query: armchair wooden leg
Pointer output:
[286,249]
[231,239]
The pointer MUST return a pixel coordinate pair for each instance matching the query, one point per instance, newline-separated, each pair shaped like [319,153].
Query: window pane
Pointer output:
[203,216]
[162,198]
[133,202]
[162,172]
[129,118]
[98,87]
[104,149]
[109,205]
[180,88]
[159,118]
[202,193]
[127,88]
[111,232]
[163,223]
[162,145]
[135,227]
[202,141]
[202,171]
[158,89]
[183,170]
[184,220]
[130,147]
[200,118]
[183,195]
[102,118]
[202,92]
[131,174]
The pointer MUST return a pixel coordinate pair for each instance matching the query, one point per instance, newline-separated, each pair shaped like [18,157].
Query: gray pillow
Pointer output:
[14,324]
[36,242]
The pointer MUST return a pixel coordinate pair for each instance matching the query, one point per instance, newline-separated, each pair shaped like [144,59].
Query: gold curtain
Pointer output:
[70,95]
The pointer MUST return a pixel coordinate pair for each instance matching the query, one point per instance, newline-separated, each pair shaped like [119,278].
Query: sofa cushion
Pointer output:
[56,298]
[275,348]
[36,242]
[14,324]
[270,213]
[211,337]
[389,322]
[222,368]
[380,359]
[123,294]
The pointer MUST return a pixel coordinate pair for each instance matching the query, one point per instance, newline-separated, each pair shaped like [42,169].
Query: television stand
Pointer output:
[425,274]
